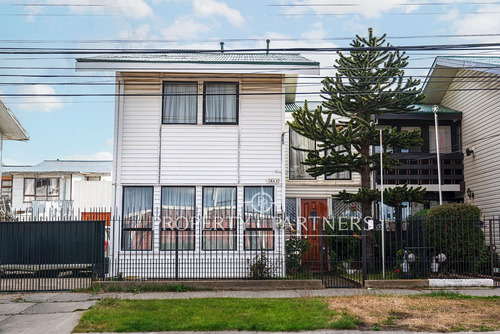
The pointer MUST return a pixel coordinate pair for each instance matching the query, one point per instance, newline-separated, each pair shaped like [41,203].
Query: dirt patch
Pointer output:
[422,313]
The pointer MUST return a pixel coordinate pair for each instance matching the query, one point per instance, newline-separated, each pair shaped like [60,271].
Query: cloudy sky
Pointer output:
[55,104]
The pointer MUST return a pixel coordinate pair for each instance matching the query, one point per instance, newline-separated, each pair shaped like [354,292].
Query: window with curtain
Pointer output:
[219,218]
[444,135]
[137,225]
[344,175]
[298,171]
[220,103]
[180,102]
[259,218]
[178,218]
[41,189]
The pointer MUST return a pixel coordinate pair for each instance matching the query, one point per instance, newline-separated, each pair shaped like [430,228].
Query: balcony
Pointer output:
[421,169]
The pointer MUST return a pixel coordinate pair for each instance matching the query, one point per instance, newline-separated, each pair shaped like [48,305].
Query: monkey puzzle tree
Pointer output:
[369,81]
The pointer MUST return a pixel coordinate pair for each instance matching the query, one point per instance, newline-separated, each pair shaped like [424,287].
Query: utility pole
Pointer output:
[435,109]
[382,209]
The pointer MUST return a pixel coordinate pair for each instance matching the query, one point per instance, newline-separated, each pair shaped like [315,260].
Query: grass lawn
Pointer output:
[213,314]
[437,311]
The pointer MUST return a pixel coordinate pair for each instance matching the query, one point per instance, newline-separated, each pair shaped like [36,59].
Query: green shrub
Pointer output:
[260,267]
[295,247]
[453,229]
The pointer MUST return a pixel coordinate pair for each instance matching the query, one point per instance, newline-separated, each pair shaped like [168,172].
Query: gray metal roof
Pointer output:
[491,60]
[10,127]
[207,58]
[63,166]
[424,108]
[445,69]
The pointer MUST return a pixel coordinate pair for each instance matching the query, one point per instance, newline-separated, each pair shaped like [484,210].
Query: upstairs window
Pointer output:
[220,103]
[180,102]
[344,175]
[298,171]
[444,137]
[411,149]
[41,189]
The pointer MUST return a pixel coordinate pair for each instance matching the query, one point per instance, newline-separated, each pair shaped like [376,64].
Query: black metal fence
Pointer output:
[73,251]
[435,248]
[50,255]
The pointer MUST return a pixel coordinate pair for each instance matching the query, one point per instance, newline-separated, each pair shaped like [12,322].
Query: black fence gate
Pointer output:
[51,255]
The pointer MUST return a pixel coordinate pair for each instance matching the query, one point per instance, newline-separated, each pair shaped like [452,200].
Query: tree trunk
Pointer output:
[368,236]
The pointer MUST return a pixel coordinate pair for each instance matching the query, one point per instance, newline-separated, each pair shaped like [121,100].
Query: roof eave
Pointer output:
[311,68]
[10,127]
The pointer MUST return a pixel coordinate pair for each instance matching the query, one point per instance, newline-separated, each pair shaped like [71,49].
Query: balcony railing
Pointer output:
[422,169]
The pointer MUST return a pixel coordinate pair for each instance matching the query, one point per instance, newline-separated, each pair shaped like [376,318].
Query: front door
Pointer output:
[314,213]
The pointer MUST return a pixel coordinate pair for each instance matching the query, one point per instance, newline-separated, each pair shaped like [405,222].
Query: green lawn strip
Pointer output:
[454,295]
[213,314]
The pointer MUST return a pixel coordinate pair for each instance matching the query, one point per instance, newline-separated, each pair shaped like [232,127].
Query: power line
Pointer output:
[131,51]
[138,41]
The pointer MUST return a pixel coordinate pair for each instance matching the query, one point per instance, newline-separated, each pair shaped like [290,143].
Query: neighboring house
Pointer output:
[199,134]
[472,86]
[304,192]
[53,187]
[419,164]
[10,129]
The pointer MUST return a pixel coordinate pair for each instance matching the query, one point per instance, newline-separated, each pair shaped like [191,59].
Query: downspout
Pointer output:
[118,108]
[283,120]
[114,247]
[283,189]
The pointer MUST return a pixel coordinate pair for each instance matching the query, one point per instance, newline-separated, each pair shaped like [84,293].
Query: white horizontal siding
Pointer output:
[199,155]
[140,143]
[260,128]
[480,107]
[88,195]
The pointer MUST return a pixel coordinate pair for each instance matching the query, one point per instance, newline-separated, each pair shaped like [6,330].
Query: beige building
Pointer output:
[471,85]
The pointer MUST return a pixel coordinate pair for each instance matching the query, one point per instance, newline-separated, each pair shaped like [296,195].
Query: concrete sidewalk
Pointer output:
[59,312]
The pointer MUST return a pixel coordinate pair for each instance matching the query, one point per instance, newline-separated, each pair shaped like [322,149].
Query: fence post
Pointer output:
[492,249]
[176,255]
[363,251]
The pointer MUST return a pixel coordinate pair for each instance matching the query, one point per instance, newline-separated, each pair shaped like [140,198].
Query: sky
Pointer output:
[55,104]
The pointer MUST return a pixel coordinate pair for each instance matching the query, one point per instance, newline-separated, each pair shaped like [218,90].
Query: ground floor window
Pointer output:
[259,218]
[178,215]
[137,225]
[219,218]
[290,216]
[7,187]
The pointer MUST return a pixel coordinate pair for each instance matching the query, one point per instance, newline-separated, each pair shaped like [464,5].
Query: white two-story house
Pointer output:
[199,159]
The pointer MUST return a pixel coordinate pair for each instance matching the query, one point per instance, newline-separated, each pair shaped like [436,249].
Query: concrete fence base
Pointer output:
[218,285]
[428,283]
